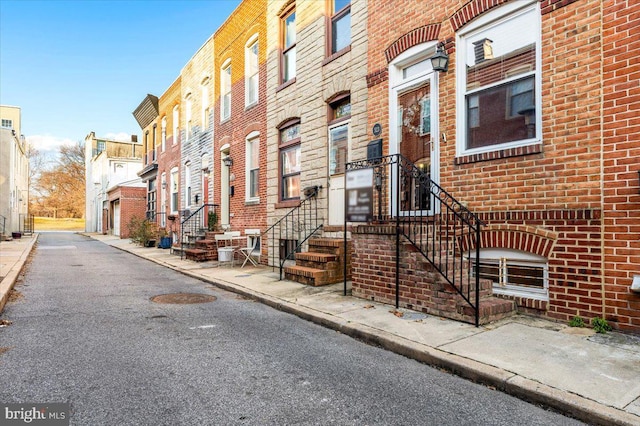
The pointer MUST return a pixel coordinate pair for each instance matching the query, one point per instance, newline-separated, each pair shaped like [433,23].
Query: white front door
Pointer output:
[116,218]
[225,181]
[414,129]
[339,146]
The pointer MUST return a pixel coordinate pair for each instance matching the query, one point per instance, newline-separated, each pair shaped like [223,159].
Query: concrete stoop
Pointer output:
[321,264]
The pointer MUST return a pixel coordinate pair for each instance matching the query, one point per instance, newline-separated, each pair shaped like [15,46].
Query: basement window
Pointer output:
[515,273]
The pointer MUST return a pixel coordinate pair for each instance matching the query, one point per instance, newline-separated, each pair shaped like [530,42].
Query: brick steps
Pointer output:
[321,265]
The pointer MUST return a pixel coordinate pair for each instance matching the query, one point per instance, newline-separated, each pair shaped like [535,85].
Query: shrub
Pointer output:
[576,321]
[140,231]
[600,325]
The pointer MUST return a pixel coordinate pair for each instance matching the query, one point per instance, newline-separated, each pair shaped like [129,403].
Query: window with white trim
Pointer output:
[290,160]
[175,178]
[188,106]
[253,167]
[252,72]
[499,102]
[225,90]
[204,93]
[288,34]
[176,124]
[7,123]
[515,272]
[187,184]
[163,200]
[163,134]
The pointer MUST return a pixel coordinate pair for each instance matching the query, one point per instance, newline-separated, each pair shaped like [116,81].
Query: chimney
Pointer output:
[483,50]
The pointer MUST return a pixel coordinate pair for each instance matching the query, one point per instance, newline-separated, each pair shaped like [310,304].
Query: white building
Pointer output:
[107,163]
[14,172]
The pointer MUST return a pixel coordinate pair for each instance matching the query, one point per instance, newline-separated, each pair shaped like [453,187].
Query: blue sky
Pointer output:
[80,66]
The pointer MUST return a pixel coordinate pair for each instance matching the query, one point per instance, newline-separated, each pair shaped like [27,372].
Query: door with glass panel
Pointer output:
[416,136]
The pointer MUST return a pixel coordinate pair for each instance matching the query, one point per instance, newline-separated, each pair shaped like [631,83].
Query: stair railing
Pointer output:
[442,229]
[194,224]
[289,234]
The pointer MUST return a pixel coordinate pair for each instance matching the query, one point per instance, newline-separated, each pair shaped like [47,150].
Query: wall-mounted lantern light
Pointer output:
[227,161]
[440,60]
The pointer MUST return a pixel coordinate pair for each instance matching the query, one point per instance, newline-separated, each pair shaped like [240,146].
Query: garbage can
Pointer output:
[225,254]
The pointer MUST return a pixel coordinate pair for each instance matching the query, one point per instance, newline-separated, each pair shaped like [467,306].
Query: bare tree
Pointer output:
[62,187]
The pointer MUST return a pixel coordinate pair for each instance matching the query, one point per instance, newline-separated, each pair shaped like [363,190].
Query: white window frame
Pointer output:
[163,134]
[187,184]
[506,257]
[494,18]
[175,189]
[176,124]
[288,74]
[204,92]
[225,90]
[252,71]
[163,200]
[253,137]
[7,123]
[188,100]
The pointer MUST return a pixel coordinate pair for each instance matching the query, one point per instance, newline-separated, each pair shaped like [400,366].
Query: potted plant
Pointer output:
[212,221]
[164,239]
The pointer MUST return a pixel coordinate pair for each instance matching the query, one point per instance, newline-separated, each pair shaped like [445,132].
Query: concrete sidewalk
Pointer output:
[13,256]
[595,378]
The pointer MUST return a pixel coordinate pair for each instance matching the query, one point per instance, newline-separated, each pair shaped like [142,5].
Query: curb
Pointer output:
[587,410]
[10,279]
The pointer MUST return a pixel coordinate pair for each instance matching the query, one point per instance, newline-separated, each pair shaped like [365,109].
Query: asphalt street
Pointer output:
[85,331]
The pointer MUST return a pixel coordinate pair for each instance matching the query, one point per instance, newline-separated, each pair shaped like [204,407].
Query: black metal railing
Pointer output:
[442,229]
[193,225]
[291,232]
[27,223]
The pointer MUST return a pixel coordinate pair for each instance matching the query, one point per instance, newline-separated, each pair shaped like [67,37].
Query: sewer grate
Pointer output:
[183,298]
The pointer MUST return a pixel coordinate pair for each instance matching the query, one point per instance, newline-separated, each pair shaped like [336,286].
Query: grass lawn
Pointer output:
[60,224]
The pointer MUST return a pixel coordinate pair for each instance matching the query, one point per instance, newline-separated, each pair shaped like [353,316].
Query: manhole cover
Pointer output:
[183,298]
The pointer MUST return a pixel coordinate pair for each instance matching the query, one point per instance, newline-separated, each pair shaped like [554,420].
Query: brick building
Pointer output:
[532,129]
[159,119]
[126,201]
[240,117]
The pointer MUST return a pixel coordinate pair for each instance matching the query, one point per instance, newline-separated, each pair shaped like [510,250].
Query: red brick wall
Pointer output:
[230,41]
[581,184]
[621,145]
[133,203]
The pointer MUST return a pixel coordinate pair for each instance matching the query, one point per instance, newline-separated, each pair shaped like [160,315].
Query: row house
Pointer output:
[465,158]
[529,131]
[240,117]
[159,119]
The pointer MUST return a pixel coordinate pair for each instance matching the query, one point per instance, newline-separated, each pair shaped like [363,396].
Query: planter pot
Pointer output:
[16,235]
[165,243]
[225,254]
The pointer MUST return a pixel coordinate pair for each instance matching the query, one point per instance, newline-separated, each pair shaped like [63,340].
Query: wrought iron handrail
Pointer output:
[194,224]
[441,228]
[288,235]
